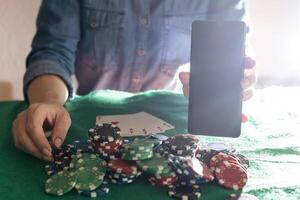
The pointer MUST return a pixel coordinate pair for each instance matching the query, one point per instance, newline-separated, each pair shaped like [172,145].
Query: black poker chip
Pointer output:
[204,155]
[242,159]
[184,192]
[104,132]
[182,142]
[102,190]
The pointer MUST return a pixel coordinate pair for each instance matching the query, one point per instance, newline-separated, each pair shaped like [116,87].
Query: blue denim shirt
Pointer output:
[128,45]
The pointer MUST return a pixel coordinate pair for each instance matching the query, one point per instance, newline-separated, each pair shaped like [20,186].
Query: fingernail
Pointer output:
[47,158]
[47,152]
[57,142]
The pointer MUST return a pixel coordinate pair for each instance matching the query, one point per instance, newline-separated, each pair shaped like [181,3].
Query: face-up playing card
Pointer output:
[141,123]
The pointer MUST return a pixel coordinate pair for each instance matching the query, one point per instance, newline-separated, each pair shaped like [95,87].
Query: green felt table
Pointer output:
[270,140]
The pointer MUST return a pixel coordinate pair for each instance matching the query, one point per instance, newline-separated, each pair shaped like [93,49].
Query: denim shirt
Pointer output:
[128,45]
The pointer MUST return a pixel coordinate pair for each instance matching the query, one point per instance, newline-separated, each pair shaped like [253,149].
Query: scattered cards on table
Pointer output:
[136,124]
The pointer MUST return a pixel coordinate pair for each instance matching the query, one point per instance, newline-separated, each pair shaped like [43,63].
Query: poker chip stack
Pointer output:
[122,171]
[229,171]
[179,163]
[61,160]
[86,174]
[138,149]
[158,170]
[106,140]
[183,145]
[229,168]
[191,173]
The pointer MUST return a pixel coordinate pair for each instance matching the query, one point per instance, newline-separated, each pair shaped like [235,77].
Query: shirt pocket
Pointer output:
[102,22]
[178,18]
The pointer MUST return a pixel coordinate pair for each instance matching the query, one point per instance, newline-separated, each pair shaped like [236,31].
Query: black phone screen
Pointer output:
[217,68]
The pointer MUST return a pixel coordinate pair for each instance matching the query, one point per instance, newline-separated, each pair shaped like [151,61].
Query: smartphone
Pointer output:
[217,68]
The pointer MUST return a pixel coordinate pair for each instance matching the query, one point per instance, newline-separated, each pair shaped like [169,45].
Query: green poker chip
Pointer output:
[88,161]
[61,183]
[89,178]
[139,144]
[155,165]
[137,156]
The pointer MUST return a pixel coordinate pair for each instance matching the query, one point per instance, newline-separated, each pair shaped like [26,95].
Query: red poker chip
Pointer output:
[108,149]
[123,166]
[232,176]
[114,144]
[228,162]
[215,160]
[163,181]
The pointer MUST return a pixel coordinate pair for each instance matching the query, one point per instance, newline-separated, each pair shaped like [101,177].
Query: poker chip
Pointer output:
[123,167]
[190,169]
[154,165]
[182,142]
[205,155]
[89,178]
[104,132]
[160,183]
[51,168]
[117,175]
[81,146]
[89,161]
[198,169]
[184,192]
[220,147]
[242,159]
[159,137]
[60,183]
[157,180]
[137,156]
[179,163]
[139,145]
[220,158]
[121,179]
[231,176]
[102,190]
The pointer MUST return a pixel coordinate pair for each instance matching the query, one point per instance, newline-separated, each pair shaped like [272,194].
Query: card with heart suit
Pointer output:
[136,124]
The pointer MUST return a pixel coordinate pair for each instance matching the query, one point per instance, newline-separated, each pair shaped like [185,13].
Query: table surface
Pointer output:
[270,140]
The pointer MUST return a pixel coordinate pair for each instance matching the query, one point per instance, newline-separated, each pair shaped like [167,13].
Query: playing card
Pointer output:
[141,123]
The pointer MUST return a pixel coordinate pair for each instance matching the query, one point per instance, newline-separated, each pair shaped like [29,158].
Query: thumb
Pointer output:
[61,126]
[184,78]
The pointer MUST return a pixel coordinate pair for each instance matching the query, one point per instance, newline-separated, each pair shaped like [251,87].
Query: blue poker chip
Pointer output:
[51,168]
[102,190]
[81,146]
[220,147]
[190,182]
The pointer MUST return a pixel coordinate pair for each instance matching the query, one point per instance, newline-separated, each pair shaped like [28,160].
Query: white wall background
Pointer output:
[276,40]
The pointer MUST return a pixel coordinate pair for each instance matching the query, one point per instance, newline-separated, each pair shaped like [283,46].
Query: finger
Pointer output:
[62,124]
[25,143]
[247,94]
[249,63]
[184,78]
[34,128]
[250,78]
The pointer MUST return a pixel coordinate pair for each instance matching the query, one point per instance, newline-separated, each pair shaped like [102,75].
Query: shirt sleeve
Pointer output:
[55,42]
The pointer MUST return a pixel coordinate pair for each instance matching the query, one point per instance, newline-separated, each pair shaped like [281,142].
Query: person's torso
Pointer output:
[134,45]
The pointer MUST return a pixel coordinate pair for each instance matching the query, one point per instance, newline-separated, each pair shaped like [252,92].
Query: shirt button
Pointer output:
[93,24]
[143,20]
[141,52]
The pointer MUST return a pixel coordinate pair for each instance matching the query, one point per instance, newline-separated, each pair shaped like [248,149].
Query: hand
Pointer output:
[28,130]
[248,81]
